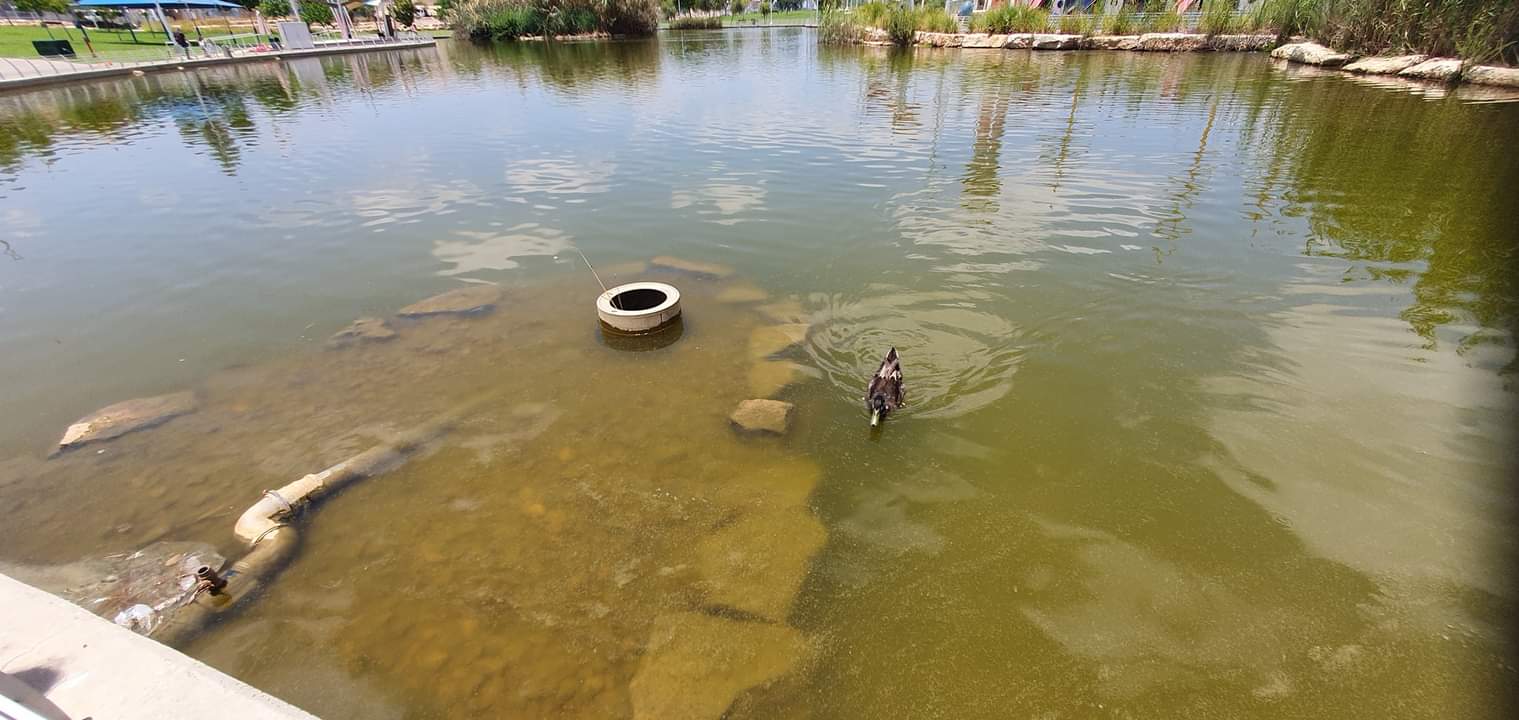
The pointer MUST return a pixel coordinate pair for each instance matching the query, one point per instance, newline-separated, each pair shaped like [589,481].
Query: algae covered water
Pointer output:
[1209,374]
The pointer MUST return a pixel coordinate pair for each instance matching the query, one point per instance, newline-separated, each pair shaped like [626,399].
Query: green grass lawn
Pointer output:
[16,41]
[790,17]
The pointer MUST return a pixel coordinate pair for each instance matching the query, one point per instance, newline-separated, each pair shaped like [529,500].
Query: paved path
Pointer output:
[61,661]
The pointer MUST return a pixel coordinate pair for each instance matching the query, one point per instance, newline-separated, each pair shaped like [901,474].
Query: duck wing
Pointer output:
[887,381]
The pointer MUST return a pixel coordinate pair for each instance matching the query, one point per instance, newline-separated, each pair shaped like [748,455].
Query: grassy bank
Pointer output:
[789,17]
[16,41]
[486,20]
[1476,30]
[1483,31]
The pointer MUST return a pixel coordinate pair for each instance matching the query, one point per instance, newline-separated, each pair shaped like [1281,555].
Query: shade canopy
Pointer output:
[150,4]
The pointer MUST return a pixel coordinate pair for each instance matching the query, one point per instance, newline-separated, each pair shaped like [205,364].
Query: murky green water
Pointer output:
[1210,371]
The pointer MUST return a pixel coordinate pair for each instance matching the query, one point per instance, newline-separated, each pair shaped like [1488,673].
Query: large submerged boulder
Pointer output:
[756,564]
[1311,53]
[768,377]
[116,420]
[469,300]
[696,665]
[692,267]
[772,340]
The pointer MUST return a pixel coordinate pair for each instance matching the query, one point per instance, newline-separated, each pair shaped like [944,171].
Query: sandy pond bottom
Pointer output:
[599,542]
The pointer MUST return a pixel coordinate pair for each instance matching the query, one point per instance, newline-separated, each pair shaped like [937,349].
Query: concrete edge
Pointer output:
[205,62]
[97,669]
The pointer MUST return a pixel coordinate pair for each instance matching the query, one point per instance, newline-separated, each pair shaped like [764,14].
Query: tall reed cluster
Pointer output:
[485,20]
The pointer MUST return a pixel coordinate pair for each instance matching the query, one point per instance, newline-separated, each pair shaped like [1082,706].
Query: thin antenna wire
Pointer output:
[593,270]
[603,285]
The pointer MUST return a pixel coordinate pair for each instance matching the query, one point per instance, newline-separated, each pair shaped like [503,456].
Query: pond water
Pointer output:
[1209,364]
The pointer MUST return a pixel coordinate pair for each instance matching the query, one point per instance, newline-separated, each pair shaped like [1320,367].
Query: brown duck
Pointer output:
[885,392]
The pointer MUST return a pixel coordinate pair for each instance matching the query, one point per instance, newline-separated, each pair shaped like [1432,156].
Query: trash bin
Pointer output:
[48,48]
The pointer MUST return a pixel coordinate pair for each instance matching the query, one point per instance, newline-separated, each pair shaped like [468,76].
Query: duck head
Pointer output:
[877,409]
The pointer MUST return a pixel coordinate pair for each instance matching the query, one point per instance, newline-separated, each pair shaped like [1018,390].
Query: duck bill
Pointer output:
[875,418]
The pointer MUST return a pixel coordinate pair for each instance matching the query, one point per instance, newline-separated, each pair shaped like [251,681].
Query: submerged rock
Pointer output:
[773,339]
[745,293]
[468,300]
[768,377]
[124,417]
[627,269]
[1439,69]
[784,311]
[762,416]
[756,564]
[695,665]
[1311,53]
[693,267]
[1385,65]
[1171,42]
[785,483]
[1488,75]
[363,330]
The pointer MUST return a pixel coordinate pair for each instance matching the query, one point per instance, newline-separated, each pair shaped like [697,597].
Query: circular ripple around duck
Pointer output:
[955,358]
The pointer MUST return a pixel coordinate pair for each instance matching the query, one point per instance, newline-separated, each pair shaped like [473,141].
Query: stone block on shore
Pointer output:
[982,41]
[1438,69]
[1311,53]
[1241,43]
[1488,75]
[1385,65]
[1172,42]
[1055,41]
[1111,42]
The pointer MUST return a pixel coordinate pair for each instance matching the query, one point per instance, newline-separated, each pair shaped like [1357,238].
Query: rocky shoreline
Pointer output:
[1417,67]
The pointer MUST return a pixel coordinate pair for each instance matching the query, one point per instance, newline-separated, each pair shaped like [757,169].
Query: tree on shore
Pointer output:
[42,6]
[316,13]
[274,8]
[404,11]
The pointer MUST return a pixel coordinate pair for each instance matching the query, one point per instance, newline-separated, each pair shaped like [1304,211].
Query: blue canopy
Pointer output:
[169,4]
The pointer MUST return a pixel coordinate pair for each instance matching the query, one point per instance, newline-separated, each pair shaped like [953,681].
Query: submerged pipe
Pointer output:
[272,540]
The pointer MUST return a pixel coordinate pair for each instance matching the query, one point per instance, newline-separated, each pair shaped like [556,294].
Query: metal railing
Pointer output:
[225,46]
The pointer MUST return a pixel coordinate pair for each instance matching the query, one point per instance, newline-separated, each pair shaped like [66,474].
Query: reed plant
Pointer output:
[697,22]
[1078,23]
[486,20]
[901,25]
[935,20]
[1121,22]
[1011,19]
[1219,18]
